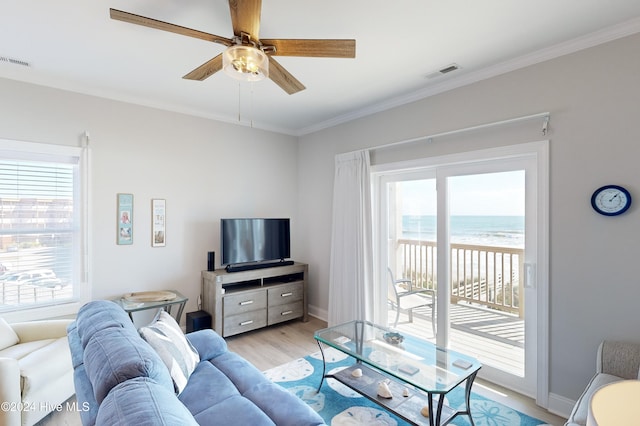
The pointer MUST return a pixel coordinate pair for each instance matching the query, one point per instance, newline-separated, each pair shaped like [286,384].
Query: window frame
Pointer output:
[49,152]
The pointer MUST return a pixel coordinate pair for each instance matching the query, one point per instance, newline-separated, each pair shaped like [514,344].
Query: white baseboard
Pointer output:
[560,405]
[314,311]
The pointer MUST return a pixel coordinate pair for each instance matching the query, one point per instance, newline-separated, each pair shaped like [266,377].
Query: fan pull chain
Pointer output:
[239,117]
[250,104]
[251,107]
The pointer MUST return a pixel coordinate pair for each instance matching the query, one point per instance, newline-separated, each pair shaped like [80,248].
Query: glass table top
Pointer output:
[410,359]
[133,306]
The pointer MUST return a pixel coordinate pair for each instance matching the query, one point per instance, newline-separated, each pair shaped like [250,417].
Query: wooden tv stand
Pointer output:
[247,300]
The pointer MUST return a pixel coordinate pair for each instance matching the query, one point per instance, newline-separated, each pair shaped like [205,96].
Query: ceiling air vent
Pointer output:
[443,71]
[6,59]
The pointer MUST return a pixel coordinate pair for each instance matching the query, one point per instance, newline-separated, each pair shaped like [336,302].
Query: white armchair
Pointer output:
[36,373]
[615,361]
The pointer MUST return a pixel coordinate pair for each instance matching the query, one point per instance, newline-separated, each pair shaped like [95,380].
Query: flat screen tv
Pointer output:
[254,243]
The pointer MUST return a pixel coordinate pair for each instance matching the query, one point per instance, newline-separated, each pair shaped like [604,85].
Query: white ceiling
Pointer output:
[74,45]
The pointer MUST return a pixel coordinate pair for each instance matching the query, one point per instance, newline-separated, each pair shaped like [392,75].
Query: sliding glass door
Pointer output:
[486,306]
[466,232]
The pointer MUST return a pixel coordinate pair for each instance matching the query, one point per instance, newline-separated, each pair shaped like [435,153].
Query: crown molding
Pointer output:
[580,43]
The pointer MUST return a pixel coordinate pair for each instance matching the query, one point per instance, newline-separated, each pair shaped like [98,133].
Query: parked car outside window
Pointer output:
[26,277]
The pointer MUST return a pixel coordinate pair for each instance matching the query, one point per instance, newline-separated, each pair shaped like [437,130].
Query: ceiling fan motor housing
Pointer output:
[245,63]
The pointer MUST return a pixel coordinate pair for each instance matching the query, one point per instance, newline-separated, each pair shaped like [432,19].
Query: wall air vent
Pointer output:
[8,60]
[443,71]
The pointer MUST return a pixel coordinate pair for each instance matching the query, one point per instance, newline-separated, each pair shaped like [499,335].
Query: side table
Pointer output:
[131,307]
[614,404]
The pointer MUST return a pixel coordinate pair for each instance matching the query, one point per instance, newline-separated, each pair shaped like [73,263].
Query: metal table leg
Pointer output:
[324,365]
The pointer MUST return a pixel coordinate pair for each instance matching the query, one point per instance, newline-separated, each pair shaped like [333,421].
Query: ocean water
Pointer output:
[501,231]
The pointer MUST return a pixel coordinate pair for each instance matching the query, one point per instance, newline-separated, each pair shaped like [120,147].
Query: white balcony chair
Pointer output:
[409,299]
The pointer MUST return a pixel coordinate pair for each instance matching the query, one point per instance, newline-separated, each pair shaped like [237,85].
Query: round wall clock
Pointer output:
[611,200]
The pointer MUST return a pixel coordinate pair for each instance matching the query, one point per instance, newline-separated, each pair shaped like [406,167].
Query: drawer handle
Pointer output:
[286,313]
[286,294]
[246,302]
[247,322]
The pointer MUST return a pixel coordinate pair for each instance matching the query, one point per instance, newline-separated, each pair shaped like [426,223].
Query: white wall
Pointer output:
[204,169]
[593,97]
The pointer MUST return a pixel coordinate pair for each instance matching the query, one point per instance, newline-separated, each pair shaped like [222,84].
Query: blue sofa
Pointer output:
[121,380]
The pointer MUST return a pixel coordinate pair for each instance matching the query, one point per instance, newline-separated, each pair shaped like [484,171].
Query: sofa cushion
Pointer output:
[74,342]
[44,365]
[141,401]
[177,353]
[619,358]
[279,404]
[101,314]
[581,409]
[114,355]
[236,410]
[83,388]
[208,343]
[241,372]
[207,386]
[8,337]
[283,407]
[88,406]
[23,349]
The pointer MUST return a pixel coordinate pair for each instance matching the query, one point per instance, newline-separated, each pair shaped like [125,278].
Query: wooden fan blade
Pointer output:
[312,48]
[165,26]
[245,17]
[283,78]
[206,70]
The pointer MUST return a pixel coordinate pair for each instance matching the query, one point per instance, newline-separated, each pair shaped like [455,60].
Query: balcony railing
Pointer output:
[12,295]
[483,275]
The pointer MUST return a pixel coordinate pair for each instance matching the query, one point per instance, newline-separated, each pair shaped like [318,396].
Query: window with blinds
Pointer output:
[39,230]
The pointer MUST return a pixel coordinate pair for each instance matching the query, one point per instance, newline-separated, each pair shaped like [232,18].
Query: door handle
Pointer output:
[529,275]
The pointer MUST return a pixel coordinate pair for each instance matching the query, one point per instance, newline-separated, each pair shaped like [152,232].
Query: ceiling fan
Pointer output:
[247,56]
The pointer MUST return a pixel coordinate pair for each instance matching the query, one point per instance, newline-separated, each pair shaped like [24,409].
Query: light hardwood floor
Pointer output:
[276,345]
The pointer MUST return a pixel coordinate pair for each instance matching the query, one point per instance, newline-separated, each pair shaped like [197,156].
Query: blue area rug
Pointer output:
[340,406]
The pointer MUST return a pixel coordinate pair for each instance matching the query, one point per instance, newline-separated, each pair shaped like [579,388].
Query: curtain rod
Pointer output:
[429,138]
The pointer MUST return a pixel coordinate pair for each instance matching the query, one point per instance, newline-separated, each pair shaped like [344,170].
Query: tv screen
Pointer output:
[254,240]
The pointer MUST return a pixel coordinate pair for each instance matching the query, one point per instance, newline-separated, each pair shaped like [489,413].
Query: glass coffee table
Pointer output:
[418,373]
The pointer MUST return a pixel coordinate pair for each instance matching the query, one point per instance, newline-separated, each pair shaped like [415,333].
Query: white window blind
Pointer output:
[39,230]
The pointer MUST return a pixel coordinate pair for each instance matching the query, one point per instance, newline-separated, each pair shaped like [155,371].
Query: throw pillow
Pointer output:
[8,337]
[166,338]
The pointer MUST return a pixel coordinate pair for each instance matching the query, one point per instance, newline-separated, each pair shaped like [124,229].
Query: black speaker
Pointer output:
[198,320]
[211,261]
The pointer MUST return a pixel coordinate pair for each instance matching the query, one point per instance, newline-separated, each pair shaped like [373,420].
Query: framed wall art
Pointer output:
[158,222]
[125,219]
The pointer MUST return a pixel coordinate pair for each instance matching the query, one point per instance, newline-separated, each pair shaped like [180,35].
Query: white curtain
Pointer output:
[351,271]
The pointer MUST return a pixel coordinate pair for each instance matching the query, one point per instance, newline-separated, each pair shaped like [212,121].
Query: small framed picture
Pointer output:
[158,222]
[125,219]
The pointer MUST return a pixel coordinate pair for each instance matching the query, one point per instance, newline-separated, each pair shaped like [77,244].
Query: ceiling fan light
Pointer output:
[245,63]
